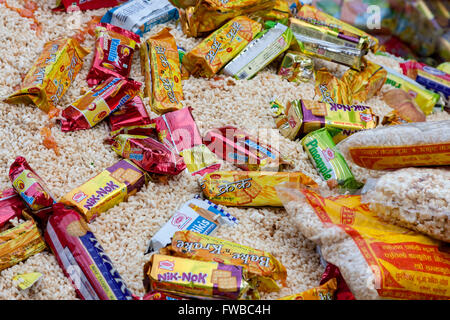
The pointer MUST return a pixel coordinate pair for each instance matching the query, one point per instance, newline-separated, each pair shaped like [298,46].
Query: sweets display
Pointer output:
[51,74]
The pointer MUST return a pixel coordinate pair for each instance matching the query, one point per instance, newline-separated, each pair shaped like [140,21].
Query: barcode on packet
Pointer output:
[242,75]
[123,13]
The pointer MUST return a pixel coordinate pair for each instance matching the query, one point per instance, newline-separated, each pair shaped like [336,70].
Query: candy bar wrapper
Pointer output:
[160,63]
[51,75]
[242,150]
[114,49]
[259,52]
[140,16]
[31,188]
[280,13]
[321,42]
[423,98]
[331,89]
[280,117]
[11,206]
[132,118]
[201,216]
[27,280]
[250,188]
[323,292]
[429,77]
[82,258]
[186,277]
[200,160]
[148,153]
[19,243]
[98,103]
[83,5]
[184,73]
[365,84]
[315,16]
[159,295]
[208,57]
[259,264]
[404,106]
[328,161]
[110,187]
[296,67]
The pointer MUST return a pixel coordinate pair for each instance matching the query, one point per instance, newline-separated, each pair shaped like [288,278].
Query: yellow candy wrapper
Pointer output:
[323,292]
[51,75]
[20,243]
[207,58]
[160,64]
[330,89]
[250,188]
[259,264]
[26,280]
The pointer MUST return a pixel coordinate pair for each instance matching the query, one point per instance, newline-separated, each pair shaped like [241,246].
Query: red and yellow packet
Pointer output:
[51,75]
[260,265]
[113,56]
[323,292]
[160,64]
[214,52]
[11,206]
[250,188]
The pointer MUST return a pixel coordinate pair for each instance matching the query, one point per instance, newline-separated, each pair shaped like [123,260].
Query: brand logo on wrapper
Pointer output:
[328,154]
[365,117]
[100,193]
[166,265]
[180,220]
[79,196]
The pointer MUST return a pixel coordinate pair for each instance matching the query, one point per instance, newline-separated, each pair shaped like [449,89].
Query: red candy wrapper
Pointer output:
[159,295]
[31,188]
[342,292]
[114,49]
[11,206]
[132,118]
[98,103]
[83,5]
[148,153]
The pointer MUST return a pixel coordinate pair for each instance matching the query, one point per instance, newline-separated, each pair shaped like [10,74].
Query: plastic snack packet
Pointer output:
[296,67]
[250,188]
[11,206]
[214,52]
[331,89]
[160,64]
[51,75]
[27,280]
[98,103]
[323,292]
[201,216]
[82,258]
[140,16]
[110,187]
[404,105]
[114,50]
[83,5]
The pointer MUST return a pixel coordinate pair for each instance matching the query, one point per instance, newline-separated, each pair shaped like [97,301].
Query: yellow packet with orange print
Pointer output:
[323,292]
[259,264]
[51,75]
[207,58]
[331,89]
[160,64]
[250,188]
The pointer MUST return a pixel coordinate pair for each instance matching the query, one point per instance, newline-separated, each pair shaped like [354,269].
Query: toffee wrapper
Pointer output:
[296,67]
[261,266]
[328,161]
[19,243]
[114,50]
[51,75]
[342,290]
[244,151]
[250,188]
[149,154]
[331,89]
[98,103]
[160,64]
[199,215]
[11,206]
[214,52]
[187,277]
[323,292]
[82,258]
[107,189]
[31,188]
[280,13]
[132,118]
[324,43]
[83,5]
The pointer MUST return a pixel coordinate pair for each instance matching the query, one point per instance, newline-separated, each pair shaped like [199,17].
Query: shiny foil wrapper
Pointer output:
[187,277]
[323,292]
[31,188]
[107,189]
[11,206]
[98,103]
[132,118]
[113,56]
[83,5]
[149,154]
[51,75]
[160,64]
[214,52]
[261,266]
[296,67]
[330,89]
[280,13]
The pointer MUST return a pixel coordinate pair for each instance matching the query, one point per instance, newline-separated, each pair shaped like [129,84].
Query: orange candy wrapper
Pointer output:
[260,265]
[323,292]
[330,89]
[51,75]
[207,58]
[160,65]
[250,188]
